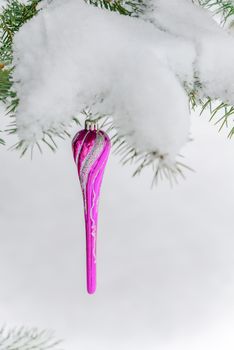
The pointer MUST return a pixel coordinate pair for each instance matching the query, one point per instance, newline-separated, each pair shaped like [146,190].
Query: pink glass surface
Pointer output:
[91,149]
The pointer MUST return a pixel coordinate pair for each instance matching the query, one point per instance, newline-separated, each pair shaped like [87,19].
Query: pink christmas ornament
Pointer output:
[91,148]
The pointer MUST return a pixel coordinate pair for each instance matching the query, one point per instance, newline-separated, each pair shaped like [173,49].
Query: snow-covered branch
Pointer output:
[141,66]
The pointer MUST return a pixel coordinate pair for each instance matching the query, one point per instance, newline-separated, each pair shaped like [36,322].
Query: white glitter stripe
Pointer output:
[87,164]
[78,153]
[93,226]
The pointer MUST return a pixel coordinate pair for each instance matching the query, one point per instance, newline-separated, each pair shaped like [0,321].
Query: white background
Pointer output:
[165,256]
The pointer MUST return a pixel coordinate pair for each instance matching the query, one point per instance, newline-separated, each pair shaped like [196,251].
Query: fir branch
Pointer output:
[131,155]
[123,7]
[225,8]
[12,17]
[220,112]
[26,339]
[115,6]
[15,14]
[48,139]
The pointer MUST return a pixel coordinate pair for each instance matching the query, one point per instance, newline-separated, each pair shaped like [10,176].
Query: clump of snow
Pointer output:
[214,46]
[216,68]
[181,18]
[73,55]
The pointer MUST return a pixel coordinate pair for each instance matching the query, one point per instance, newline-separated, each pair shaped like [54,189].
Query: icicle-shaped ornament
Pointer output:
[91,148]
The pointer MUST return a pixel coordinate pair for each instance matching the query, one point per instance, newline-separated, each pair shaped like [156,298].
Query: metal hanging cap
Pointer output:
[91,124]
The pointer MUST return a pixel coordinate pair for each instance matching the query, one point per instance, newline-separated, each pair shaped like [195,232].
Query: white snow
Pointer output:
[214,46]
[73,55]
[181,18]
[80,54]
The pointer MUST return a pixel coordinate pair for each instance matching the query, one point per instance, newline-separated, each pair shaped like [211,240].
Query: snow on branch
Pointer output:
[105,61]
[138,70]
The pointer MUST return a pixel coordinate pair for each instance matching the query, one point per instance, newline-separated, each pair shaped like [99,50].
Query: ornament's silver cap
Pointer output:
[91,124]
